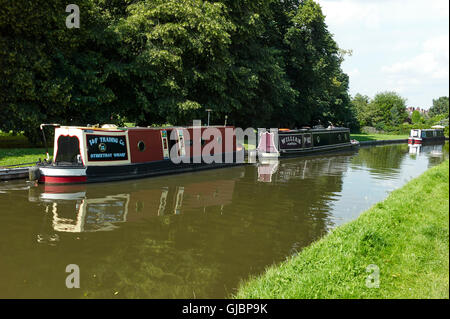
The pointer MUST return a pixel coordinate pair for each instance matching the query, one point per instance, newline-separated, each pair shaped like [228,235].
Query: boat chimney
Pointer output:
[209,111]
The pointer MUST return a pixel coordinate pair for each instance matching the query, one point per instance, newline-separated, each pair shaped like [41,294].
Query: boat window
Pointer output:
[68,149]
[307,140]
[141,146]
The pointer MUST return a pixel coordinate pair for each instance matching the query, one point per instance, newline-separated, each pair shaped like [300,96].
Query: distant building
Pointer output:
[411,109]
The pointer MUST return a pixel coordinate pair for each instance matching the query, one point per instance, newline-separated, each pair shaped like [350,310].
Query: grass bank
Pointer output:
[406,237]
[12,156]
[376,137]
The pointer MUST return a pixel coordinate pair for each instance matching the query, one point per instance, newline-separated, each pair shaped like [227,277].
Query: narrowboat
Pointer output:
[109,153]
[295,142]
[418,136]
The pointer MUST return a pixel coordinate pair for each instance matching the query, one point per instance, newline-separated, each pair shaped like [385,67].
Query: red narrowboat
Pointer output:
[109,153]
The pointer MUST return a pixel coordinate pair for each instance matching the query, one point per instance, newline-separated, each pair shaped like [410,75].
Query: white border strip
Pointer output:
[57,172]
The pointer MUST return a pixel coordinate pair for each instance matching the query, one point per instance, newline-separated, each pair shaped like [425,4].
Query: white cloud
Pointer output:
[432,62]
[353,73]
[349,12]
[373,14]
[397,45]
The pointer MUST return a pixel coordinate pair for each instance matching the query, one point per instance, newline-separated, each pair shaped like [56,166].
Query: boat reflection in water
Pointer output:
[271,170]
[91,208]
[266,168]
[433,150]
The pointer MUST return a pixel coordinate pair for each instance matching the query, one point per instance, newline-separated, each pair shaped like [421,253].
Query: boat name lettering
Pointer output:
[291,140]
[106,148]
[106,139]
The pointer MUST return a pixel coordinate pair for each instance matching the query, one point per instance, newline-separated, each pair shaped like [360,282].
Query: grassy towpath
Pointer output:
[377,137]
[12,156]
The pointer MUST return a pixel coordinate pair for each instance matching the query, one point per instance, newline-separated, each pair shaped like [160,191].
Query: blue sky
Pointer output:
[398,45]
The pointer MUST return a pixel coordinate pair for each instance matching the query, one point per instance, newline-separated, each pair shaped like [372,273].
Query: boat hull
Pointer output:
[320,150]
[95,174]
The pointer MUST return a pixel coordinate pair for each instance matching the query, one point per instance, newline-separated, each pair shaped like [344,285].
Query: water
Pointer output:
[190,235]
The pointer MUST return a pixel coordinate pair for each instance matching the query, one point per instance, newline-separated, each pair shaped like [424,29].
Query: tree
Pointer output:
[174,57]
[440,106]
[51,73]
[360,105]
[388,109]
[261,62]
[313,64]
[416,117]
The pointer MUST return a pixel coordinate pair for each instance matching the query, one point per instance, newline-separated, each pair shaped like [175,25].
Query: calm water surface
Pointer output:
[191,235]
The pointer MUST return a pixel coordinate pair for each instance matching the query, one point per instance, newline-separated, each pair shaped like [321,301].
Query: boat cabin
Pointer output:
[86,146]
[94,154]
[305,140]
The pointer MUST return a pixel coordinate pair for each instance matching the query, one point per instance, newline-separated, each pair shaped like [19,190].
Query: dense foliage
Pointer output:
[440,106]
[386,113]
[386,109]
[416,118]
[260,62]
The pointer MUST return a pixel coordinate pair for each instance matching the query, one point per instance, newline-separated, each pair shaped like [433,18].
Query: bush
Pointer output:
[371,130]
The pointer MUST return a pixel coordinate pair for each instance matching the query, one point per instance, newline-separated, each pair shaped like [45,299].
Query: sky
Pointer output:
[398,45]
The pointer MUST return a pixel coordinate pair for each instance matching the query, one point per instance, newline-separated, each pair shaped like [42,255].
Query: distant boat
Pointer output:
[418,136]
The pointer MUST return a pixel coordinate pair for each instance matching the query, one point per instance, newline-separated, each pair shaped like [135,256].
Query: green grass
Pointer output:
[375,137]
[12,156]
[406,236]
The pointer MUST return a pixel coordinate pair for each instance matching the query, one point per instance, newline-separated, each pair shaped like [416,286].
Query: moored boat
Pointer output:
[418,136]
[108,153]
[304,141]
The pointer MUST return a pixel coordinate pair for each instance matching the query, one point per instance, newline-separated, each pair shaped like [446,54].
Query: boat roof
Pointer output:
[302,130]
[113,128]
[116,128]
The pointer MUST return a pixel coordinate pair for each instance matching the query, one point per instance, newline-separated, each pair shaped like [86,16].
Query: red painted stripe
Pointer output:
[62,179]
[57,189]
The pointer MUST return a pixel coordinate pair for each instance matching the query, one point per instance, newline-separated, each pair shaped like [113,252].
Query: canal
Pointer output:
[190,235]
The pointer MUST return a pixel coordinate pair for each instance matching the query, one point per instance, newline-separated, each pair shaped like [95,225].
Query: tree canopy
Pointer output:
[440,106]
[260,62]
[386,109]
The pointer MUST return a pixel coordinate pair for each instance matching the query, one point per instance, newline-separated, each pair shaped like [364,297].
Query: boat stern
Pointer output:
[62,175]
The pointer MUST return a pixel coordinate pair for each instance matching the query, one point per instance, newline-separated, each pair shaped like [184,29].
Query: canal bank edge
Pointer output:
[382,142]
[405,238]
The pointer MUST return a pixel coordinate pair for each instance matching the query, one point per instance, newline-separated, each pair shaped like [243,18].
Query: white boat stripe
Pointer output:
[62,171]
